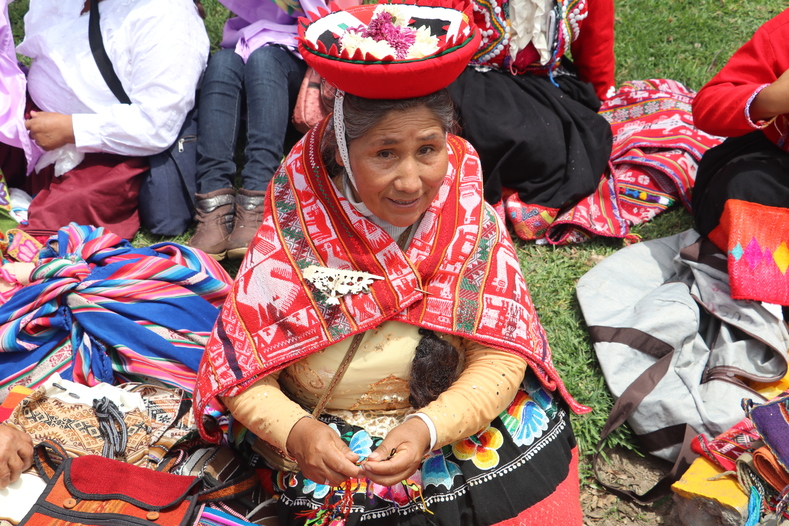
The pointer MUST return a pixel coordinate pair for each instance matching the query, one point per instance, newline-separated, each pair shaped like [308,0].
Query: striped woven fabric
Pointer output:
[215,517]
[99,310]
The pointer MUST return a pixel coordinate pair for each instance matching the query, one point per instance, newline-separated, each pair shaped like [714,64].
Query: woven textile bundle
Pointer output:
[99,310]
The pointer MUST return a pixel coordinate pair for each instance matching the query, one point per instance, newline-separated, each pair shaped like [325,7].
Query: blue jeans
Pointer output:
[269,83]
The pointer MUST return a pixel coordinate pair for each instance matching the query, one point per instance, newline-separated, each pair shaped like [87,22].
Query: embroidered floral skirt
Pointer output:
[521,469]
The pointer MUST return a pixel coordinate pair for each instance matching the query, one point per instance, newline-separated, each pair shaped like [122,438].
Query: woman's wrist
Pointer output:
[431,427]
[771,101]
[293,436]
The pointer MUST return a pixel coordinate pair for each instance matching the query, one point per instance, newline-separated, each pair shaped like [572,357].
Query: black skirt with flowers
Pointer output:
[521,469]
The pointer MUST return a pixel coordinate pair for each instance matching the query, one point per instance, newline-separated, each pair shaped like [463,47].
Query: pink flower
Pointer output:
[400,38]
[382,28]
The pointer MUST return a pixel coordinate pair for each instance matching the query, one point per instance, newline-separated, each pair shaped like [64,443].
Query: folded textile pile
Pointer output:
[99,310]
[756,452]
[121,450]
[653,162]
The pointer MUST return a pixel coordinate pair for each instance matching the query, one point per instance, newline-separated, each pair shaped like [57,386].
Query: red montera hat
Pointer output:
[392,50]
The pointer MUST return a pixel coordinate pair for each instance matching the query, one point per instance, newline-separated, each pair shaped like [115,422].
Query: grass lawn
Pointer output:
[686,40]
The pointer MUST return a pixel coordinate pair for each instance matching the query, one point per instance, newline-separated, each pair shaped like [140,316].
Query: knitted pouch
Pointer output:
[93,490]
[755,239]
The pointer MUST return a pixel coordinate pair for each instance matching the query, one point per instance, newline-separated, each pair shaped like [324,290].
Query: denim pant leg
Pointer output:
[219,121]
[272,79]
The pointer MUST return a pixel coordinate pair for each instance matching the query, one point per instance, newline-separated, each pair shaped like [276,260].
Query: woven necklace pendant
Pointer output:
[336,282]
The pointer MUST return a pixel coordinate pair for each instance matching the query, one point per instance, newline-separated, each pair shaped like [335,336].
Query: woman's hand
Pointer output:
[409,442]
[772,100]
[322,455]
[16,454]
[50,130]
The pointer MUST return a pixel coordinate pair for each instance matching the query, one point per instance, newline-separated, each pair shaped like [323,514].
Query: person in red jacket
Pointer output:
[531,112]
[741,196]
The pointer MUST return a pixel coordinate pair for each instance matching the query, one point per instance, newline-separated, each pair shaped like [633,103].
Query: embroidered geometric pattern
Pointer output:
[459,275]
[653,162]
[756,239]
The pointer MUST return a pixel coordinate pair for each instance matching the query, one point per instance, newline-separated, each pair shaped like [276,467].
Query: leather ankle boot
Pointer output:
[214,214]
[249,216]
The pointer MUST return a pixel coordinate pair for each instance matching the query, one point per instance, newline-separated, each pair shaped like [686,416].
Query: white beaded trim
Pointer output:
[339,134]
[487,34]
[761,124]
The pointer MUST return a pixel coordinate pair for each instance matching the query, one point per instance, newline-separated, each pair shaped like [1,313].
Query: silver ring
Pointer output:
[327,482]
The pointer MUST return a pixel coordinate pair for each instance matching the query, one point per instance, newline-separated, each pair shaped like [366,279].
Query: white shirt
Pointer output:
[158,48]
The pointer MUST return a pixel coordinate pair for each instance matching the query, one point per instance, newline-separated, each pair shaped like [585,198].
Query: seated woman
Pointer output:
[531,112]
[259,70]
[96,146]
[741,196]
[380,340]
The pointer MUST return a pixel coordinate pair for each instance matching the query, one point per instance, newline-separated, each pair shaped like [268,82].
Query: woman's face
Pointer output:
[399,165]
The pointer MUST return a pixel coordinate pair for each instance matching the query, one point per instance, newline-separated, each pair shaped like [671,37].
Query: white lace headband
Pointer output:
[339,134]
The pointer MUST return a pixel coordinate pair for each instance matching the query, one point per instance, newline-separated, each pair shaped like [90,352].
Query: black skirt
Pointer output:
[546,142]
[521,469]
[748,168]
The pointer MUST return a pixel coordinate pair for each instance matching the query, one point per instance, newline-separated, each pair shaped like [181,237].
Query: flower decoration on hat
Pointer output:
[393,50]
[388,34]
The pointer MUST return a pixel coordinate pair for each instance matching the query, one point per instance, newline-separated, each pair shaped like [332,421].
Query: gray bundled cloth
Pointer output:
[674,347]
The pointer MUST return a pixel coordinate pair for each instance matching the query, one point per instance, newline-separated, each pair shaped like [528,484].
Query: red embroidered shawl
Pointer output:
[460,254]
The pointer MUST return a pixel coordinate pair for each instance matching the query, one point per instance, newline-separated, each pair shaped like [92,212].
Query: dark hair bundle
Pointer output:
[433,370]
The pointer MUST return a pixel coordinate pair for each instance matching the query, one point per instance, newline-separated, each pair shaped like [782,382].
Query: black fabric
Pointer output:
[167,202]
[544,141]
[534,474]
[749,168]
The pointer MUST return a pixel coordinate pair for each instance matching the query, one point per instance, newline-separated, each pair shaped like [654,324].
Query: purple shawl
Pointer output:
[13,88]
[266,22]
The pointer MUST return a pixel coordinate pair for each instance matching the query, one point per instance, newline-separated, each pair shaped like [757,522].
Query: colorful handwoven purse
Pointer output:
[91,490]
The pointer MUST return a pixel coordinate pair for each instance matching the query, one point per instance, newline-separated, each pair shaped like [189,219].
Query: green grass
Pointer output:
[686,40]
[216,15]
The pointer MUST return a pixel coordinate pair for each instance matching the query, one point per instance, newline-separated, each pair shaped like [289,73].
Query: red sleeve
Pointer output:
[593,50]
[722,106]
